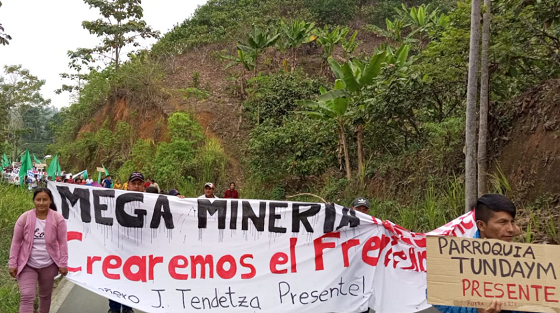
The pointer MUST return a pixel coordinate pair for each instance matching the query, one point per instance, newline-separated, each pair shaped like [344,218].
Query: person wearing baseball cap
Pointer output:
[208,191]
[175,192]
[136,182]
[361,204]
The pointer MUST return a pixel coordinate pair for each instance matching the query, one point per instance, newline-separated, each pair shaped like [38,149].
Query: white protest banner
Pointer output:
[160,253]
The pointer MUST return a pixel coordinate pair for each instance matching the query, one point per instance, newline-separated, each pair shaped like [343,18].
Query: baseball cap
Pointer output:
[360,201]
[174,192]
[209,185]
[135,176]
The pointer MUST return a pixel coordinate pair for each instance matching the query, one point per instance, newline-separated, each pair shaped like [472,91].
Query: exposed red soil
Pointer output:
[531,157]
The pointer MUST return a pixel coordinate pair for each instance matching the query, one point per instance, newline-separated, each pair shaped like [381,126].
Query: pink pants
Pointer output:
[27,282]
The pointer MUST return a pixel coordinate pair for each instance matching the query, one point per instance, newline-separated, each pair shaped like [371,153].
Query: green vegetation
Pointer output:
[355,98]
[334,98]
[4,38]
[389,120]
[120,25]
[185,162]
[13,203]
[24,113]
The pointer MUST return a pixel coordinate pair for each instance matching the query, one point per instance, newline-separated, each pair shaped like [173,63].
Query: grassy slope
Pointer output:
[13,202]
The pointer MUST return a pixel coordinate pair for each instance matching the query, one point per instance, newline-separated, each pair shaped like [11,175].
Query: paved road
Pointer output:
[73,298]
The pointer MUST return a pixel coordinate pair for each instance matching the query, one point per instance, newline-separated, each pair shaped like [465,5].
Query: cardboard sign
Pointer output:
[101,170]
[472,272]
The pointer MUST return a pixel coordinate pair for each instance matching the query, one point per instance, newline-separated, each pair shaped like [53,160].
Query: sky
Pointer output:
[43,31]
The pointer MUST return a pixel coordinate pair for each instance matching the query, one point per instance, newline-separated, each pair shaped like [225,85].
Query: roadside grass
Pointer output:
[13,202]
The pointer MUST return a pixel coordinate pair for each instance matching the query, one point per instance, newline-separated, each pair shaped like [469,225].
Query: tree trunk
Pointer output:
[345,148]
[243,85]
[339,151]
[470,131]
[117,52]
[360,139]
[484,99]
[294,59]
[255,71]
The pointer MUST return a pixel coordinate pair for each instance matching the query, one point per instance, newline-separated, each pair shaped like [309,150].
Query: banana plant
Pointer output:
[328,40]
[356,75]
[257,41]
[332,106]
[419,16]
[350,45]
[423,19]
[398,58]
[242,58]
[393,31]
[411,22]
[296,34]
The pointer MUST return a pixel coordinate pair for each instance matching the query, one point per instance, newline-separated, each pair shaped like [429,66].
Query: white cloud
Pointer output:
[43,31]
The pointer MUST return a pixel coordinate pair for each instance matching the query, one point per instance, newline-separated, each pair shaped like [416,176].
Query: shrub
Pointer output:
[13,203]
[332,12]
[301,147]
[273,97]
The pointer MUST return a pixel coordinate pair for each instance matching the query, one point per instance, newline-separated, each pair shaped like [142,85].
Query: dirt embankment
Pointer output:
[220,112]
[530,158]
[147,124]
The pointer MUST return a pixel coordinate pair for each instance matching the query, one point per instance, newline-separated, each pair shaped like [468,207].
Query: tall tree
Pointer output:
[357,76]
[484,99]
[121,24]
[470,131]
[4,38]
[20,92]
[79,64]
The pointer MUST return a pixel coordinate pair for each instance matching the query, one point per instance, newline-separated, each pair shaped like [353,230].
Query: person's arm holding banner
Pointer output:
[495,307]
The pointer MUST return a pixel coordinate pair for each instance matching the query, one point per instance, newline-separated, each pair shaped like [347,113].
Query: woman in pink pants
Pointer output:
[39,251]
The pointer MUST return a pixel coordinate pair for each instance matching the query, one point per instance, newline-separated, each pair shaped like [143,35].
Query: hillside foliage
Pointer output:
[336,98]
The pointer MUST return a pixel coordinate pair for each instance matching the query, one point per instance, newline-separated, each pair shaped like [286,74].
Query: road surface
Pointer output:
[73,298]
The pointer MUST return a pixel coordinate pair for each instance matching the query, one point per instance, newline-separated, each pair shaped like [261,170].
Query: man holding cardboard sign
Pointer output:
[471,273]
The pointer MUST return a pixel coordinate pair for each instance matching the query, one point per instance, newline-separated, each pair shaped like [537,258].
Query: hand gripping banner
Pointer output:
[160,253]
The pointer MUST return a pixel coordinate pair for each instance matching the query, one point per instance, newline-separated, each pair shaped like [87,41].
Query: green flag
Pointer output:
[54,168]
[5,162]
[99,175]
[51,170]
[37,161]
[26,165]
[58,169]
[85,174]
